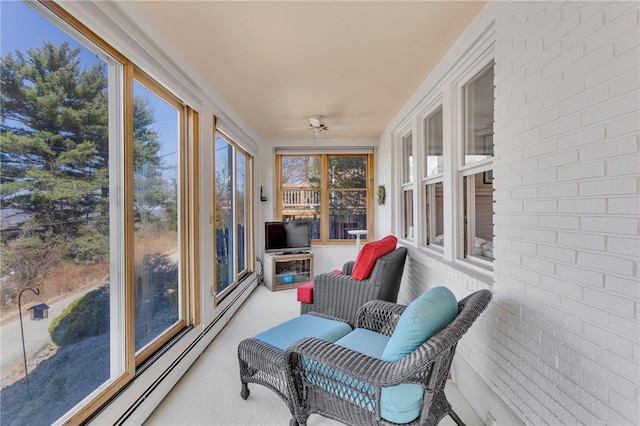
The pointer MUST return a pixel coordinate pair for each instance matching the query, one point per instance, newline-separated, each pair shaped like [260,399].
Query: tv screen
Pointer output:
[287,237]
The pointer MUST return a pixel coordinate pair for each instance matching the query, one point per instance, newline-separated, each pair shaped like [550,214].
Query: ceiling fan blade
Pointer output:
[339,127]
[297,128]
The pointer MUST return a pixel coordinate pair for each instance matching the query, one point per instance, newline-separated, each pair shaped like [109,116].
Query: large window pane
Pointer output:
[224,214]
[57,191]
[478,117]
[347,205]
[300,190]
[156,248]
[233,209]
[407,156]
[407,206]
[434,164]
[347,211]
[479,215]
[435,214]
[241,206]
[347,172]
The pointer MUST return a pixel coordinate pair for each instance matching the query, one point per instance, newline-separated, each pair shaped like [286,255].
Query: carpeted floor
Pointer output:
[209,394]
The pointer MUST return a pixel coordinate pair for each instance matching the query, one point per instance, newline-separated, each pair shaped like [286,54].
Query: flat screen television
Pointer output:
[287,237]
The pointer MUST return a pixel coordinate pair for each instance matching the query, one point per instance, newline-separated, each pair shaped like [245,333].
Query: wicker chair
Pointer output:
[341,295]
[345,385]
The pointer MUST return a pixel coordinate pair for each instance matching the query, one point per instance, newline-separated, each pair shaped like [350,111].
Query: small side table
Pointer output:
[357,233]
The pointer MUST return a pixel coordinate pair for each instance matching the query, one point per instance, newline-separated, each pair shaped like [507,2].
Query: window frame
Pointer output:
[427,180]
[238,276]
[446,92]
[120,110]
[407,184]
[325,191]
[147,350]
[464,227]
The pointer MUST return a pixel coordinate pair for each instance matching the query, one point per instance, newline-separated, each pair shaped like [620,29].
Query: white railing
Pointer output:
[300,198]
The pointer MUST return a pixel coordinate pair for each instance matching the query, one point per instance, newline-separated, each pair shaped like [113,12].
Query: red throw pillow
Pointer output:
[368,255]
[305,293]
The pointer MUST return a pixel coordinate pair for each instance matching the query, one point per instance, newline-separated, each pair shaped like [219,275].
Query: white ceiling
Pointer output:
[277,63]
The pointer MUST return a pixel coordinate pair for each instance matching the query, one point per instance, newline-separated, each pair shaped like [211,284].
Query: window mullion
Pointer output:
[324,196]
[452,204]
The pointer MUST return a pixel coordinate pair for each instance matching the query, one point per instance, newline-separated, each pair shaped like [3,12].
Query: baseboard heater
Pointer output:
[158,381]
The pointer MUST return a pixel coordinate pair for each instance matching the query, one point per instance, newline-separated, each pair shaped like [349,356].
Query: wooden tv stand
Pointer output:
[284,271]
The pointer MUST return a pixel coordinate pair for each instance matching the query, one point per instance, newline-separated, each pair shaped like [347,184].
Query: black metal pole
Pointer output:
[24,350]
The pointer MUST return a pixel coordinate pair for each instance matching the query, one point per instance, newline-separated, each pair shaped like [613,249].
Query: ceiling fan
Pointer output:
[317,125]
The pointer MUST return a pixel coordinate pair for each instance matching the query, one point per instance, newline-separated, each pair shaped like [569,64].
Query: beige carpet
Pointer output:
[209,394]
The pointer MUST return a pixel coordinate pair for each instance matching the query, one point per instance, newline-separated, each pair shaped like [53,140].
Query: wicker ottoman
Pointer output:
[261,357]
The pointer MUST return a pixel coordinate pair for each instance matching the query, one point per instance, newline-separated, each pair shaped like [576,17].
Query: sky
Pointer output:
[22,28]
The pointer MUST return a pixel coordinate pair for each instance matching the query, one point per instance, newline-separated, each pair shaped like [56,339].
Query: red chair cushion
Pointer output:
[305,293]
[368,255]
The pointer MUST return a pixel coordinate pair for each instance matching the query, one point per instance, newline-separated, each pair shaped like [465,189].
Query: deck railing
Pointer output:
[300,198]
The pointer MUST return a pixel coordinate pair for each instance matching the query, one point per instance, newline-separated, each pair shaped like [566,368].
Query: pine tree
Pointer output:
[54,157]
[54,138]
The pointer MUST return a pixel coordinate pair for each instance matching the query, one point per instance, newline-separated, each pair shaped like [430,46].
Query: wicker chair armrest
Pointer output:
[356,365]
[326,316]
[379,316]
[328,278]
[341,295]
[347,268]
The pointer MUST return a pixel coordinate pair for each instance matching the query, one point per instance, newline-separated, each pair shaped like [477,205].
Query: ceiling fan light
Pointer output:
[316,121]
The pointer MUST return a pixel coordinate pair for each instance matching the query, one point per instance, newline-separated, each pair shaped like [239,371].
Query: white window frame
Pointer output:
[434,106]
[407,179]
[445,90]
[463,170]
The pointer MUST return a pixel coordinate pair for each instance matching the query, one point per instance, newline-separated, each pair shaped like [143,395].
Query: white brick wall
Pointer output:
[560,343]
[383,213]
[587,212]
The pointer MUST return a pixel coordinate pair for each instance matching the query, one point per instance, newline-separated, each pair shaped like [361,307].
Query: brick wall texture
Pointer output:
[560,343]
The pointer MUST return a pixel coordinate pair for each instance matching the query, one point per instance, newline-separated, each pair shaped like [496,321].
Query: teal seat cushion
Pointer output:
[285,334]
[365,341]
[342,385]
[424,317]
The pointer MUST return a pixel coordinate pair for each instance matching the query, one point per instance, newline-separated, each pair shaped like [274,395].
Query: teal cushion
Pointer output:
[424,317]
[285,334]
[342,385]
[365,341]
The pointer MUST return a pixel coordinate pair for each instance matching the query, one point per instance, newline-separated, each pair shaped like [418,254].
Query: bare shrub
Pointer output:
[30,257]
[60,281]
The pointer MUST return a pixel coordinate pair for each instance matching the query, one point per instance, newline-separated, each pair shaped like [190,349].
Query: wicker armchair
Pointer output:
[341,295]
[345,385]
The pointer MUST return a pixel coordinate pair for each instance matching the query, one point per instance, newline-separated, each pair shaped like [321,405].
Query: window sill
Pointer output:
[481,271]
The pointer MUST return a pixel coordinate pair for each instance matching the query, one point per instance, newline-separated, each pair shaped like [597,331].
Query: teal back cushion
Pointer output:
[424,317]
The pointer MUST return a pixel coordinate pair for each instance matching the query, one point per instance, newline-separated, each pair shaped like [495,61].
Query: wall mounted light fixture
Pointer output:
[382,195]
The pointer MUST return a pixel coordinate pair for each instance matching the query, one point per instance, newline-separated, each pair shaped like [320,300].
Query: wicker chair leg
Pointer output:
[455,418]
[244,392]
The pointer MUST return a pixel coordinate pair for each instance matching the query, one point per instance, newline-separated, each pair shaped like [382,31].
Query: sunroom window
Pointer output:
[332,191]
[159,288]
[433,179]
[60,195]
[407,186]
[477,166]
[94,158]
[232,208]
